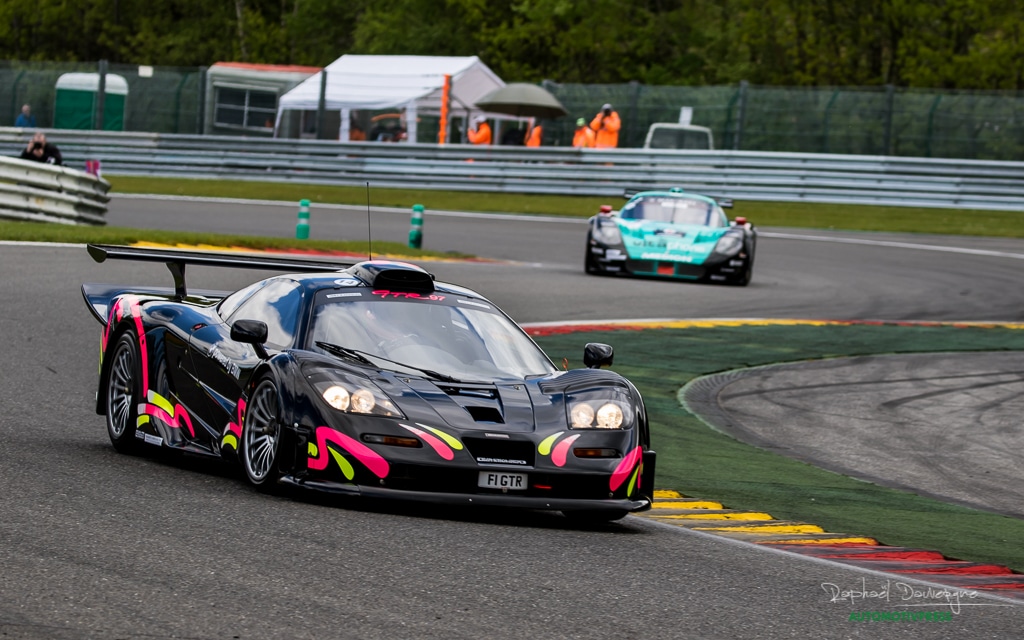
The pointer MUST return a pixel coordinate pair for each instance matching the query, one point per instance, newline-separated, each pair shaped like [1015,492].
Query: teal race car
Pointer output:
[671,234]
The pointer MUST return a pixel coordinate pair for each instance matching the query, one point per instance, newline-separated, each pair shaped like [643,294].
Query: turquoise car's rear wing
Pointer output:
[725,203]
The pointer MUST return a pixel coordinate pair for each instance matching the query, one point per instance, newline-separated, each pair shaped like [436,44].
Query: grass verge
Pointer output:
[37,232]
[701,462]
[765,214]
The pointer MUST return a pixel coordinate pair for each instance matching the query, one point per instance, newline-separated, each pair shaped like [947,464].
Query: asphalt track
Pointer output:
[942,425]
[97,545]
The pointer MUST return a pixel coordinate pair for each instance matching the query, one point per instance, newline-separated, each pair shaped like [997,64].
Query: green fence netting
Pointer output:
[843,120]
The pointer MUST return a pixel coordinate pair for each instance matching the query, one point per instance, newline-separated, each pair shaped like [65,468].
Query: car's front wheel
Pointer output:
[744,278]
[261,436]
[589,263]
[124,390]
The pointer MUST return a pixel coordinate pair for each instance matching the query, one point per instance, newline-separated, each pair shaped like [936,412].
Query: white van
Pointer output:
[668,135]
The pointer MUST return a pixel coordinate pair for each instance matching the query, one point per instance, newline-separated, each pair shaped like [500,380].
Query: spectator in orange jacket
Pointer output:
[584,136]
[606,125]
[534,134]
[481,132]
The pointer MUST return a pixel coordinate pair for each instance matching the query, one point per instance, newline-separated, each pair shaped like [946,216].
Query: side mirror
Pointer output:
[597,355]
[252,332]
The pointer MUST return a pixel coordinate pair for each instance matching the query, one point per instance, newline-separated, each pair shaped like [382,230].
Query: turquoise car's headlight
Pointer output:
[607,232]
[729,244]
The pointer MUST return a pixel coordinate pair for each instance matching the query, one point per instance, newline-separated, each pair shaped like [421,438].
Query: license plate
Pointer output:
[498,480]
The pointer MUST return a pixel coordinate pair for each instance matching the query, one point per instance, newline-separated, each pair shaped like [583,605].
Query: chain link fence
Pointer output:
[844,120]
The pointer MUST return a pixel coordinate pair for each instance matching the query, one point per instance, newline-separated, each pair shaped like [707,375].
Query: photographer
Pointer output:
[39,150]
[606,125]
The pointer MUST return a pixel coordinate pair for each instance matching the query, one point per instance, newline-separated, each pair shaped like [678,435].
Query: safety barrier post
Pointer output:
[416,231]
[302,226]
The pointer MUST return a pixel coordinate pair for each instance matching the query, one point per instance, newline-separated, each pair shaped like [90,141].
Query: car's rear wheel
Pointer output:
[261,436]
[124,392]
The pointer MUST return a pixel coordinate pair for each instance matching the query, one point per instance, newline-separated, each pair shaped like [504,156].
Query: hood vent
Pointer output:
[482,402]
[485,414]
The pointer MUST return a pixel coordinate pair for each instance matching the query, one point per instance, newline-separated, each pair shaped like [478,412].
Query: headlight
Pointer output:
[582,416]
[337,397]
[608,408]
[352,395]
[607,233]
[729,244]
[609,416]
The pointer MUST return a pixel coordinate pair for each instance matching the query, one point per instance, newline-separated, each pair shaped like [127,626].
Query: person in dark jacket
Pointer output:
[39,150]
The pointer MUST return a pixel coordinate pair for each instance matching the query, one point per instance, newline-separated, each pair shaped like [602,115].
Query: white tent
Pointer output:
[413,83]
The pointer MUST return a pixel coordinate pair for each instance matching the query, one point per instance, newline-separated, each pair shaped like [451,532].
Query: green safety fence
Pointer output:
[984,125]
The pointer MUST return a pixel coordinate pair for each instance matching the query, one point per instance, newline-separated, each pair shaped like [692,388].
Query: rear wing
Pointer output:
[176,261]
[725,203]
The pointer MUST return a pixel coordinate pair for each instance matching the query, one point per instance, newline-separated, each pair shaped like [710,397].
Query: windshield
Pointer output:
[674,210]
[465,339]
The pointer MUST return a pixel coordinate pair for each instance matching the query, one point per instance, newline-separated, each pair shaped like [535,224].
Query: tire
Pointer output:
[745,277]
[594,517]
[124,393]
[261,436]
[589,264]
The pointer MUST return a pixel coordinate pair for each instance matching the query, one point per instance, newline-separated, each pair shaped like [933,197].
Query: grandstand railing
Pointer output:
[742,175]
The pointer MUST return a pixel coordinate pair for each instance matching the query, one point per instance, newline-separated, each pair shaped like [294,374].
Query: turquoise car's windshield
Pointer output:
[674,210]
[464,338]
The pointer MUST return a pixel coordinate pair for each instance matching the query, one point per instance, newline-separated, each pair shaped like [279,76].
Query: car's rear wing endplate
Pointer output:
[176,261]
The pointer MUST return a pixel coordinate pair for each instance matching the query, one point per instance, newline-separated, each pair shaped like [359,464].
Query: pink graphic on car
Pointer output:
[625,468]
[174,415]
[561,450]
[435,443]
[364,454]
[234,429]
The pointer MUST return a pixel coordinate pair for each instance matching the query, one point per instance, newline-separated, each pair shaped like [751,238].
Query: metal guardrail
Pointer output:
[742,175]
[47,193]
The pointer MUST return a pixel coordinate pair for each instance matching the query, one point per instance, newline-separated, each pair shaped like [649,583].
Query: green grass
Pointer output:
[766,214]
[42,232]
[701,462]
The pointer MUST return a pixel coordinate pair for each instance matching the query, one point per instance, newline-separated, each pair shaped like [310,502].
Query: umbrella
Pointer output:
[522,100]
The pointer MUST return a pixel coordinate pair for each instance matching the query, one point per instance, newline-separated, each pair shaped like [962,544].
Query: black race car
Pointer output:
[368,379]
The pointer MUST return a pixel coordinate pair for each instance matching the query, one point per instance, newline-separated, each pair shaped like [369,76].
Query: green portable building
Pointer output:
[76,101]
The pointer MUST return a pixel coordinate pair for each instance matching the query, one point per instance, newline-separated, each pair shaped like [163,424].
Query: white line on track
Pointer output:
[894,244]
[572,220]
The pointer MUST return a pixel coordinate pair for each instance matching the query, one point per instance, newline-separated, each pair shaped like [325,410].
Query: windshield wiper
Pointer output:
[360,356]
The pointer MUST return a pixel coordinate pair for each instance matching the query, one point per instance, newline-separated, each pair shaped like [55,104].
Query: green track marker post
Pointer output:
[416,231]
[302,226]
